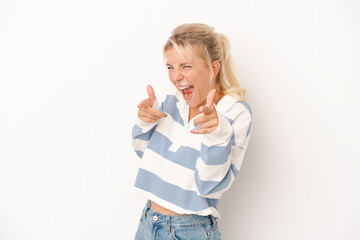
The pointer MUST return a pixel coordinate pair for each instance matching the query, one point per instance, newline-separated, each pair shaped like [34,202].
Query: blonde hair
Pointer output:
[202,40]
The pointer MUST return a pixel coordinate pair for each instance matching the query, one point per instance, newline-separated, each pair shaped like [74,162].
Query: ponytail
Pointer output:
[203,41]
[226,77]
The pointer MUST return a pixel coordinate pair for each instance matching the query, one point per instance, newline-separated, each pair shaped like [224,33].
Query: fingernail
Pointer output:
[192,131]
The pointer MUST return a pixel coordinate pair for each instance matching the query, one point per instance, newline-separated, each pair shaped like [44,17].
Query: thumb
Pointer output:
[151,93]
[210,98]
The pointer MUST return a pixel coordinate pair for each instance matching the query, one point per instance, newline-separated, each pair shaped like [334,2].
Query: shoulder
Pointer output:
[239,115]
[232,108]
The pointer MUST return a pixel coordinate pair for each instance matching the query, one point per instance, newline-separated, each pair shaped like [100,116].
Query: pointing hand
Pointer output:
[209,121]
[146,113]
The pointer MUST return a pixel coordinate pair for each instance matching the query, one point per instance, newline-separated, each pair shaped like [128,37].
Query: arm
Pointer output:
[222,153]
[148,116]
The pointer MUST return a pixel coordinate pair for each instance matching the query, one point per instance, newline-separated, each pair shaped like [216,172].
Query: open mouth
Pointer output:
[187,91]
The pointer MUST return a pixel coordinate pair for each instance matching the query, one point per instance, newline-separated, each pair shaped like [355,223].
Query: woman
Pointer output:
[192,145]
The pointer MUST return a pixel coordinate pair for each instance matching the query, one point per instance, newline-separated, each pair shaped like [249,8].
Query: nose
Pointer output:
[177,75]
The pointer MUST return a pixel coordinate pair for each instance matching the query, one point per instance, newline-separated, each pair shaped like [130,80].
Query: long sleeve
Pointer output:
[142,132]
[188,173]
[222,152]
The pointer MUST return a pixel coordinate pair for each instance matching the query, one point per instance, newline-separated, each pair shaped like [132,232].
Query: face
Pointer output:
[192,79]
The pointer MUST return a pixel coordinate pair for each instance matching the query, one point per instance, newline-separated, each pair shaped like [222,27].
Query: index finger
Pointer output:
[210,98]
[154,112]
[150,92]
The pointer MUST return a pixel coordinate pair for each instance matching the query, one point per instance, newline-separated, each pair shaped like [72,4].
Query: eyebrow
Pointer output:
[168,64]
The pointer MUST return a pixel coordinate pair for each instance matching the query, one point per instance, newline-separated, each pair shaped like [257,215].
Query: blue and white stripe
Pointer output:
[188,173]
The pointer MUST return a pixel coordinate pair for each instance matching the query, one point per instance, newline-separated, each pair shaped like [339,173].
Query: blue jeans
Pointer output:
[156,226]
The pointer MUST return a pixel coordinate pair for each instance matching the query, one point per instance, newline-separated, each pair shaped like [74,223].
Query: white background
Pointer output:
[72,73]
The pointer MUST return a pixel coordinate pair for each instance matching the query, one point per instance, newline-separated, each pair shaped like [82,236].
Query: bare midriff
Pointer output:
[159,209]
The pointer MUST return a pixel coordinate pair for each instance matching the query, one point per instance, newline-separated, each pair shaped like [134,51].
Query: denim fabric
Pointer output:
[156,226]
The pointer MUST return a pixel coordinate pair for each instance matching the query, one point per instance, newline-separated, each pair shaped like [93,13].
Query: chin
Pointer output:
[192,103]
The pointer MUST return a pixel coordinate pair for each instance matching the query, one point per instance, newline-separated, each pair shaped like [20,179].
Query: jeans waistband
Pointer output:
[176,220]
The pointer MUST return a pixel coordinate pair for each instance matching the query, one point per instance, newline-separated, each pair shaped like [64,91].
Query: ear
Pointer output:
[216,68]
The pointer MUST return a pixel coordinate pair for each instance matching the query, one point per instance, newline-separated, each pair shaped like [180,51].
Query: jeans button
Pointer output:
[155,218]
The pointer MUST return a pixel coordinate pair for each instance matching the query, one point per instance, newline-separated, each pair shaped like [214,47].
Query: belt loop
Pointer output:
[147,206]
[168,226]
[213,219]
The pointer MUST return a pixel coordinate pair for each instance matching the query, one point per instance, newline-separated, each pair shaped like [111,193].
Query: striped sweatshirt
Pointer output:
[184,172]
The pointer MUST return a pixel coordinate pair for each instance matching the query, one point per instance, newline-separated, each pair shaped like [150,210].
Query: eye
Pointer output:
[169,68]
[187,67]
